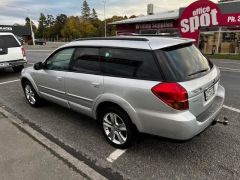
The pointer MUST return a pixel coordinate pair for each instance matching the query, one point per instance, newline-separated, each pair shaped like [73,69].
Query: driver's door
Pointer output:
[51,79]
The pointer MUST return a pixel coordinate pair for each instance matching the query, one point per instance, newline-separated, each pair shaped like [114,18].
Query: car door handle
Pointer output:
[95,84]
[59,78]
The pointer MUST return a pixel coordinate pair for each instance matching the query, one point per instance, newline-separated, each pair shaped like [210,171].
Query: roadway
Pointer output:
[212,155]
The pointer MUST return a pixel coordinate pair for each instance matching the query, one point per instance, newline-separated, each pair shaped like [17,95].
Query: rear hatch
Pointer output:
[10,48]
[186,65]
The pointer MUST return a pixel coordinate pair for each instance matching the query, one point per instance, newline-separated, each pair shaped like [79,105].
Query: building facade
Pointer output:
[215,27]
[20,31]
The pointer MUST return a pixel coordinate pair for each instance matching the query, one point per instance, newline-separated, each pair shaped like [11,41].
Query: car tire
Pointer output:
[116,127]
[18,69]
[31,95]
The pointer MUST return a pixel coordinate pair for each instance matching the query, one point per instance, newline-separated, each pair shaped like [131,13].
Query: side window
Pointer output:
[130,63]
[86,60]
[60,61]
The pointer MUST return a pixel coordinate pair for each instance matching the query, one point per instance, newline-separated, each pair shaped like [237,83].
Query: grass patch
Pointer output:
[224,56]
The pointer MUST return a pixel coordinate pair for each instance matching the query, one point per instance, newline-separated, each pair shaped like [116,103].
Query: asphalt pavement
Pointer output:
[214,154]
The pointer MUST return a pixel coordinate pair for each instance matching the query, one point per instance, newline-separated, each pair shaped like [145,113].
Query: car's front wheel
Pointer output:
[31,95]
[117,128]
[18,69]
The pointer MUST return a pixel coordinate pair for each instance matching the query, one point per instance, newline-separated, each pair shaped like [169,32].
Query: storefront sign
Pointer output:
[204,13]
[160,25]
[5,28]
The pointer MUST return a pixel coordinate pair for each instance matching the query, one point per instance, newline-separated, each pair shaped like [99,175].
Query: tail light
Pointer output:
[23,52]
[173,94]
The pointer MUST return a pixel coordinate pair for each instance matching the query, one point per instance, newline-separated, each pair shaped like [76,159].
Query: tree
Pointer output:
[41,26]
[71,29]
[59,25]
[27,21]
[50,20]
[94,15]
[132,16]
[85,10]
[27,24]
[87,29]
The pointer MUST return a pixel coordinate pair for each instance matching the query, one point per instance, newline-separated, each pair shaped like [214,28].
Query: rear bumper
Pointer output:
[13,63]
[183,125]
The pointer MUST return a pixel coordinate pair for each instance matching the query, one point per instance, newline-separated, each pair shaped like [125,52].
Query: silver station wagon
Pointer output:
[155,85]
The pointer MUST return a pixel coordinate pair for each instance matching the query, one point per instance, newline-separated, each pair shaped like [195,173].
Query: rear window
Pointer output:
[126,63]
[186,62]
[8,41]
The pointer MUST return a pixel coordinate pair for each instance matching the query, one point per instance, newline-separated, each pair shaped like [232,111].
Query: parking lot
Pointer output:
[214,154]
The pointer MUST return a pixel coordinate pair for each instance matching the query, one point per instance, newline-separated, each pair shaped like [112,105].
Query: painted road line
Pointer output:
[81,167]
[115,155]
[7,82]
[229,69]
[231,108]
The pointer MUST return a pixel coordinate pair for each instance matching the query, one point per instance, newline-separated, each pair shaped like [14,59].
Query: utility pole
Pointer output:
[105,21]
[33,37]
[31,27]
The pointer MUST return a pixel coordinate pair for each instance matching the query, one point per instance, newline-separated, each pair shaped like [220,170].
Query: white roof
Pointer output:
[133,42]
[169,15]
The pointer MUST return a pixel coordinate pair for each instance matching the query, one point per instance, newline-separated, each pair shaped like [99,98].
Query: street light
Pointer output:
[31,27]
[105,21]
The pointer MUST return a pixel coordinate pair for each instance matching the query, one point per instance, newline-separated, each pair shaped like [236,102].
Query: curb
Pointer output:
[78,165]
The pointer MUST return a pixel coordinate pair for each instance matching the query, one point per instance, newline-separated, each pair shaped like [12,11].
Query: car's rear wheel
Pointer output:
[31,95]
[117,128]
[18,69]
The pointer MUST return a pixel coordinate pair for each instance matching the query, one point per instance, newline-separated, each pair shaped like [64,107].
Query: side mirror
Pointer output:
[38,66]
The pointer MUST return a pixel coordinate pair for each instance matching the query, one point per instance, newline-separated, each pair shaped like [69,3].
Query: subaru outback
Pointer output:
[155,85]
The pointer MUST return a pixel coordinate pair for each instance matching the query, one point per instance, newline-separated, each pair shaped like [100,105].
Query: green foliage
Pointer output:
[41,26]
[85,10]
[224,56]
[73,27]
[27,23]
[94,15]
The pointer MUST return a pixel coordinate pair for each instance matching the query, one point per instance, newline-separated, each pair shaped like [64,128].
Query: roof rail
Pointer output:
[114,38]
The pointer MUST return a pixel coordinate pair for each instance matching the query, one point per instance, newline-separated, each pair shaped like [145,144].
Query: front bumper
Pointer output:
[183,125]
[8,64]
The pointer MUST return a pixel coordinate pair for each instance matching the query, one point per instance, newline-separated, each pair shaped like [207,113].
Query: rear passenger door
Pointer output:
[84,82]
[130,74]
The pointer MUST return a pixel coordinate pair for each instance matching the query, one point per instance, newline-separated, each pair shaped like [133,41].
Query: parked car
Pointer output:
[12,54]
[40,42]
[155,85]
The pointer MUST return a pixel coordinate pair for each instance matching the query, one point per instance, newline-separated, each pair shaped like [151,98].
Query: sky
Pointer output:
[15,11]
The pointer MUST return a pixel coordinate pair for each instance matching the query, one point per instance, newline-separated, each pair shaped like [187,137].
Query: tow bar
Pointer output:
[224,122]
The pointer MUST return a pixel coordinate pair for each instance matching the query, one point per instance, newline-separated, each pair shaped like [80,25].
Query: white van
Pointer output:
[12,54]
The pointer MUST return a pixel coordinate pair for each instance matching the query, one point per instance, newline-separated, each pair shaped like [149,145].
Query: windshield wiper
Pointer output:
[201,71]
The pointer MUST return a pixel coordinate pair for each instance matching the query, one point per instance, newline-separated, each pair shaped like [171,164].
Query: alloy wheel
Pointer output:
[30,94]
[115,128]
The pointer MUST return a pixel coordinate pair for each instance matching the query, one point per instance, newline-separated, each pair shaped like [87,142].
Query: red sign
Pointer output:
[160,25]
[204,13]
[230,19]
